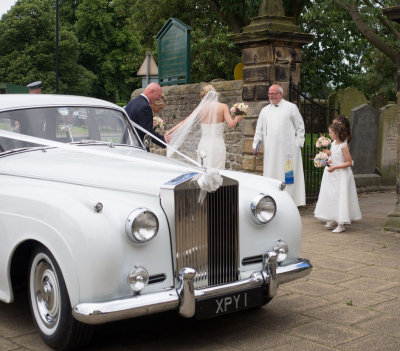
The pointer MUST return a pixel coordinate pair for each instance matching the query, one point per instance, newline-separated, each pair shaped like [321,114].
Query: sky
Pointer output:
[5,5]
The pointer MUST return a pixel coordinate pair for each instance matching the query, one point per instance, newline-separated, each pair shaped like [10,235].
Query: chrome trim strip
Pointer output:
[56,180]
[184,299]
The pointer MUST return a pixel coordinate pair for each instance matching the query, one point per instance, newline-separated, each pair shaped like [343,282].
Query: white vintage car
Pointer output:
[100,230]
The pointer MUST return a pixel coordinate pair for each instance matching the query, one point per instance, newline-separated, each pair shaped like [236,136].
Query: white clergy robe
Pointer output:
[281,128]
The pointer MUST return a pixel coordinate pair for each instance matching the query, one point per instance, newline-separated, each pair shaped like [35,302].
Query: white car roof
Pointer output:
[18,101]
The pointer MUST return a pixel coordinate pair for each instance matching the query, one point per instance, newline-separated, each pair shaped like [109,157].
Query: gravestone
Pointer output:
[364,122]
[349,98]
[387,144]
[378,101]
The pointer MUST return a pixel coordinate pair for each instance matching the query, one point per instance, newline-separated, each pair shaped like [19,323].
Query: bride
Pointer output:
[207,123]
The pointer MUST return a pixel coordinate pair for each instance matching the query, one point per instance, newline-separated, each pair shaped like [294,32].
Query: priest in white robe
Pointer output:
[281,128]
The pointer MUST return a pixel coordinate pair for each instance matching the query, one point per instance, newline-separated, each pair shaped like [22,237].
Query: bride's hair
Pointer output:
[206,89]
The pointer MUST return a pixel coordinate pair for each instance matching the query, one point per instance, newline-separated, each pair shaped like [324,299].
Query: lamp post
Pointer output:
[56,46]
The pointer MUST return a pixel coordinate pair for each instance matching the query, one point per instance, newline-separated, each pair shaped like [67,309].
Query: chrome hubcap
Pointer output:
[47,294]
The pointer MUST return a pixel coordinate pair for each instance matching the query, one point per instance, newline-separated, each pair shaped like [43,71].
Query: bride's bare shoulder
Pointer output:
[222,106]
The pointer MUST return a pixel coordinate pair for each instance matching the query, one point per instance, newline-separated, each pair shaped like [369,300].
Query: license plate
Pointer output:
[219,305]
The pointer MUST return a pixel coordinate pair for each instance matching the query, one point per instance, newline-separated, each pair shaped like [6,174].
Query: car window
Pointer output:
[67,124]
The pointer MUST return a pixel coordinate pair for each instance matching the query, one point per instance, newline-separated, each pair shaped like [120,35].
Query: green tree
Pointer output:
[372,24]
[108,47]
[27,49]
[383,36]
[334,58]
[354,44]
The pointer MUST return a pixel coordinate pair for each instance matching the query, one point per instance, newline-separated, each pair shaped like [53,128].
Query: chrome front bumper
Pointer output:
[184,297]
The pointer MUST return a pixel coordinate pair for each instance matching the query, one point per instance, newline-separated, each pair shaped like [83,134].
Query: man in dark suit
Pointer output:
[139,110]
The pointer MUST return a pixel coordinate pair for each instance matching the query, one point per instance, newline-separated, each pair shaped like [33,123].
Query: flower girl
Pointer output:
[337,200]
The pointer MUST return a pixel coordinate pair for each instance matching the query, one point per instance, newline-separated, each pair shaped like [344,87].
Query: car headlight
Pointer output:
[281,248]
[141,225]
[263,208]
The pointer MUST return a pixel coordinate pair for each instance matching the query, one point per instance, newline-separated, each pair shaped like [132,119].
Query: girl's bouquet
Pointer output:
[321,160]
[158,123]
[239,109]
[323,142]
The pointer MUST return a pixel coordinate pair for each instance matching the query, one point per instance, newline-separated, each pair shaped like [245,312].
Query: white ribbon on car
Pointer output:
[208,180]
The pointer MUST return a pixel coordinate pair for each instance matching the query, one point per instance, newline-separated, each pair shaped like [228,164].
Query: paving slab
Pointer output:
[328,333]
[372,342]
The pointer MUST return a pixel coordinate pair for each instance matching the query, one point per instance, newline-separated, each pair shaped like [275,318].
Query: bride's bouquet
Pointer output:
[158,123]
[323,142]
[239,109]
[321,159]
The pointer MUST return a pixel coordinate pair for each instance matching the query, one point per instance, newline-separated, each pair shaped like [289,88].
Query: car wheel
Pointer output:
[50,304]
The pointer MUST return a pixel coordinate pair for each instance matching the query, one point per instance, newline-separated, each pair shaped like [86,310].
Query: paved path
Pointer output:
[350,302]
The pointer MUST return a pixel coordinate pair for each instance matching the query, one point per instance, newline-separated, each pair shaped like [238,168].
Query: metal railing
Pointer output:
[317,116]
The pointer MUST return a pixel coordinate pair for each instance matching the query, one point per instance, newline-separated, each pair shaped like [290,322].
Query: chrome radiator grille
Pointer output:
[207,235]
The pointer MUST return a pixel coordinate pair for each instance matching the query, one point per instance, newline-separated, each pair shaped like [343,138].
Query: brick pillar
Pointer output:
[271,51]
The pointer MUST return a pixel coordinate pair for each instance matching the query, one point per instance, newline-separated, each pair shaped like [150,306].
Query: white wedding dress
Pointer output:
[213,144]
[201,132]
[337,200]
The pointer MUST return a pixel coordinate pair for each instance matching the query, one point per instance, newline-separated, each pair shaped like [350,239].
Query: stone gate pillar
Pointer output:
[271,46]
[393,221]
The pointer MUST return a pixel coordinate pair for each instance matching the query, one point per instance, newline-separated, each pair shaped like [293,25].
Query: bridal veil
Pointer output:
[200,127]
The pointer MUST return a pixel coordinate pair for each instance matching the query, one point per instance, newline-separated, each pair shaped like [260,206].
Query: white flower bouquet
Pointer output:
[323,142]
[321,160]
[239,109]
[158,123]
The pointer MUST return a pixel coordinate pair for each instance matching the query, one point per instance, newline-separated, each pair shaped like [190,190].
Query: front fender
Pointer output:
[91,248]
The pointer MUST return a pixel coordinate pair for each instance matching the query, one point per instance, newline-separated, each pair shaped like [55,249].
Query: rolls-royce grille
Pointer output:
[207,235]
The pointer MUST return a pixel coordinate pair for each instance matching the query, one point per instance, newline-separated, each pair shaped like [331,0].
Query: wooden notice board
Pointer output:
[174,53]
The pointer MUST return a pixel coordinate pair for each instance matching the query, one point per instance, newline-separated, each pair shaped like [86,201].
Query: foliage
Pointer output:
[103,42]
[340,55]
[108,47]
[27,49]
[379,77]
[333,59]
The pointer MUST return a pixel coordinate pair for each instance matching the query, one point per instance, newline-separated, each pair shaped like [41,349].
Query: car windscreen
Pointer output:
[67,125]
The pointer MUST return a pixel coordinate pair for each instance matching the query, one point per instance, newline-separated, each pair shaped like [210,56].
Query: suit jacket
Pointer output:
[139,111]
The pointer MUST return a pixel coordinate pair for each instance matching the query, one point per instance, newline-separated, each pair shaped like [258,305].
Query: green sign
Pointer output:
[8,88]
[174,53]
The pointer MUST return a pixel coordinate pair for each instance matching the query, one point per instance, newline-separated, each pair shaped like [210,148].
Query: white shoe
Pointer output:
[330,225]
[340,228]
